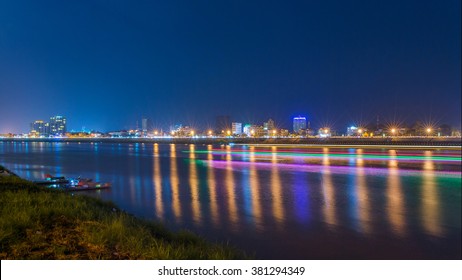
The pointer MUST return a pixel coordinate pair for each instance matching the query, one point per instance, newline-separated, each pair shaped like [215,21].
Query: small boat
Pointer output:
[81,184]
[51,180]
[70,184]
[87,188]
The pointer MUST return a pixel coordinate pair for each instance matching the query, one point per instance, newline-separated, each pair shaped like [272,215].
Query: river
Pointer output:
[274,201]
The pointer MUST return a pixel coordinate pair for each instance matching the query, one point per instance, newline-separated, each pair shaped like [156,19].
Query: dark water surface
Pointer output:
[279,202]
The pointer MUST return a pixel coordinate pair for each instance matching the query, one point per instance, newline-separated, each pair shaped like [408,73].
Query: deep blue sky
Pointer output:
[104,64]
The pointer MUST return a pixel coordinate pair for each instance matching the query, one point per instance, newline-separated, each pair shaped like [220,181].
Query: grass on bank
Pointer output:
[39,223]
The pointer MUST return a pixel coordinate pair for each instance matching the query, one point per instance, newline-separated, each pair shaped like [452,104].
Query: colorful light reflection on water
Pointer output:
[281,202]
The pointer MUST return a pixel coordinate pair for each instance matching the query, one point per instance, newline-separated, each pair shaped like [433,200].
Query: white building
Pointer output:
[236,128]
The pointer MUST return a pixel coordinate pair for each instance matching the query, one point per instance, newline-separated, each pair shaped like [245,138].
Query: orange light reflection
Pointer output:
[430,199]
[255,190]
[328,191]
[194,185]
[212,184]
[363,199]
[276,190]
[174,181]
[229,182]
[157,180]
[394,194]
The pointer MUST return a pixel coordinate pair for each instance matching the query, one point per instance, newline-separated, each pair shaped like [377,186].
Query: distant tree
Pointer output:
[416,129]
[445,130]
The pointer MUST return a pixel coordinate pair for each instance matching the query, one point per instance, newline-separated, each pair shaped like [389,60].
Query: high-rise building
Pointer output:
[236,128]
[144,126]
[299,124]
[269,127]
[58,125]
[46,129]
[39,128]
[247,129]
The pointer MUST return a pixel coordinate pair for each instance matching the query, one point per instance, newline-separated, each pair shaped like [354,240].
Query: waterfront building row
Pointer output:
[55,127]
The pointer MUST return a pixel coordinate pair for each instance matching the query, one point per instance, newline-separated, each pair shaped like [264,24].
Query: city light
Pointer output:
[254,131]
[324,132]
[339,155]
[429,131]
[41,129]
[393,131]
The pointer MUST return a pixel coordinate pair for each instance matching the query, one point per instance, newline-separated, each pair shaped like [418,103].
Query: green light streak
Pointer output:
[338,156]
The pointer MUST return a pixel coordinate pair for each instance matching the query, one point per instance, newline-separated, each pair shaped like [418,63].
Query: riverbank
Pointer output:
[436,142]
[40,223]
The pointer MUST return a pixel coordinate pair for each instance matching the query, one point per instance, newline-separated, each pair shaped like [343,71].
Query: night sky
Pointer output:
[105,64]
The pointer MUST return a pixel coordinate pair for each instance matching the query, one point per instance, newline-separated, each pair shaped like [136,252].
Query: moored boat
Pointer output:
[70,184]
[52,180]
[86,184]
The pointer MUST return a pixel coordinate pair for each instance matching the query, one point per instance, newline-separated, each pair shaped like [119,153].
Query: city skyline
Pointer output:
[310,122]
[226,126]
[105,65]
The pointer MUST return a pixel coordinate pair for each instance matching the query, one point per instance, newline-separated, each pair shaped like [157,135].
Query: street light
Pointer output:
[192,133]
[429,130]
[210,133]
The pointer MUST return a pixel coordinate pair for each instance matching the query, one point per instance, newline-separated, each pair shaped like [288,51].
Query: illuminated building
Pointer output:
[236,128]
[252,130]
[118,134]
[269,127]
[182,131]
[39,128]
[247,129]
[324,132]
[258,131]
[283,132]
[47,129]
[299,124]
[356,131]
[58,125]
[352,130]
